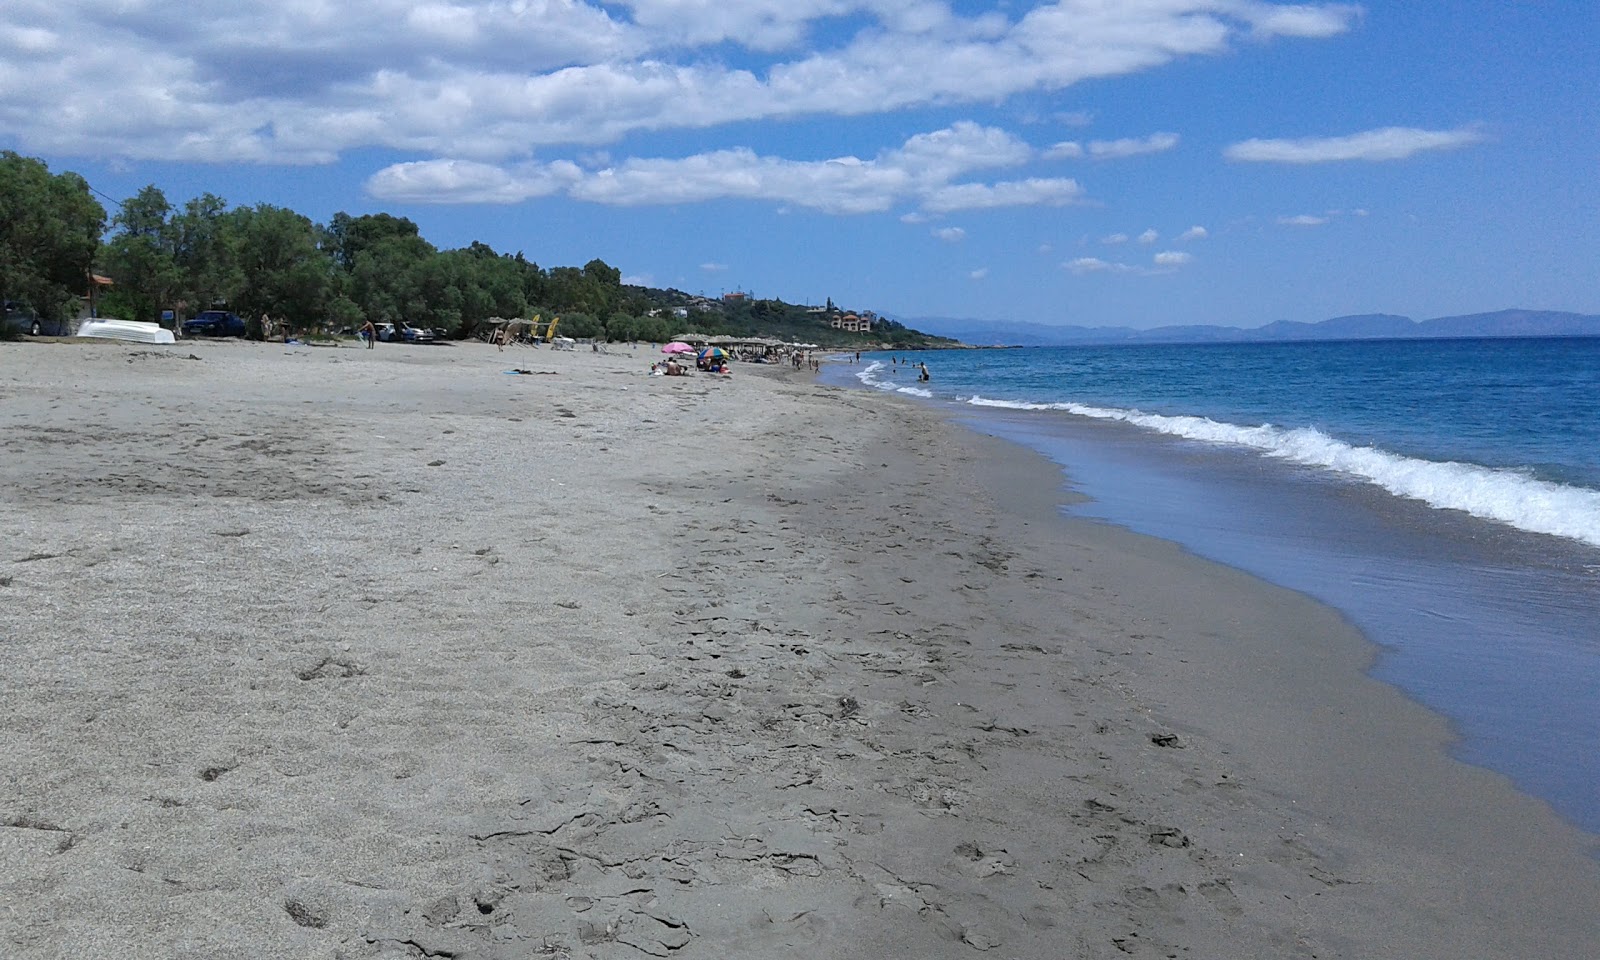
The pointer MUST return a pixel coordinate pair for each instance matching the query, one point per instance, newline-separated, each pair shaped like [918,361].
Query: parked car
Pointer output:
[415,334]
[23,319]
[214,323]
[385,332]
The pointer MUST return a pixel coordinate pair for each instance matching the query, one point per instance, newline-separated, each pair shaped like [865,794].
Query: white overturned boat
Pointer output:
[134,331]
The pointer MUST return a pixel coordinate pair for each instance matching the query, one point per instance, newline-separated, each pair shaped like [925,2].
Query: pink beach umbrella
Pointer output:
[677,347]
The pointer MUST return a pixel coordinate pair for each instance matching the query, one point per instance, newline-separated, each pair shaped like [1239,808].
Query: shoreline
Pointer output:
[606,665]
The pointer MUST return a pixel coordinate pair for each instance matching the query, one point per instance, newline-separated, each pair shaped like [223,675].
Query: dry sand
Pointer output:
[368,654]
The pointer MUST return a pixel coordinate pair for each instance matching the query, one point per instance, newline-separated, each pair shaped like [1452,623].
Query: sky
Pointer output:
[1095,162]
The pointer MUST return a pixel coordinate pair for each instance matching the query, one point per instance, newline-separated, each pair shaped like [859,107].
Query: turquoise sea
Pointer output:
[1444,495]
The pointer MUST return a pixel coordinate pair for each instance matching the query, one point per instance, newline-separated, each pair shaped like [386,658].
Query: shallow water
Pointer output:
[1493,625]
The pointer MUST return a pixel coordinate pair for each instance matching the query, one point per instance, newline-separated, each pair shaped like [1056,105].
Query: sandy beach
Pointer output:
[324,652]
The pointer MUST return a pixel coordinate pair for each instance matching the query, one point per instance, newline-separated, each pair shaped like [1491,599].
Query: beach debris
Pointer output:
[213,774]
[306,914]
[848,707]
[1169,740]
[1168,837]
[435,463]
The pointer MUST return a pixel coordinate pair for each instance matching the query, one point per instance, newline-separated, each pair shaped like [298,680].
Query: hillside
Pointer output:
[1376,326]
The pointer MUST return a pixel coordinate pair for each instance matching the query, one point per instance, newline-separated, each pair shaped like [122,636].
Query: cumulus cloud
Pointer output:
[1172,258]
[920,171]
[492,81]
[1065,150]
[1389,143]
[1114,239]
[1033,192]
[1193,233]
[1132,147]
[464,181]
[1302,220]
[950,234]
[1149,236]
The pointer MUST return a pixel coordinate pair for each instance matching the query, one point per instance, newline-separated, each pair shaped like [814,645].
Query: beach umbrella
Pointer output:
[713,353]
[677,347]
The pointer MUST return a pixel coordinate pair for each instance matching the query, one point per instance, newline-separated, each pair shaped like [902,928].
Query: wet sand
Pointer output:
[381,654]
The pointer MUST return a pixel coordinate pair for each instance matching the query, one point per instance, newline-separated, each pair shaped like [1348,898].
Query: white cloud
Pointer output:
[978,274]
[713,267]
[1092,265]
[919,171]
[1389,143]
[1193,233]
[1033,192]
[1149,236]
[1065,150]
[1114,239]
[1301,20]
[950,234]
[1132,147]
[464,181]
[304,81]
[1172,258]
[1302,220]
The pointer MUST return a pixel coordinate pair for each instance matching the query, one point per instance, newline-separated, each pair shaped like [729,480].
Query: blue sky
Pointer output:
[1096,162]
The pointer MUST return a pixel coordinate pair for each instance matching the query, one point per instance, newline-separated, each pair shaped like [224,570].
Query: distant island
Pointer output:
[1370,326]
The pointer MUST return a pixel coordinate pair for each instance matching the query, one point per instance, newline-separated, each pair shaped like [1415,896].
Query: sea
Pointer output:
[1444,495]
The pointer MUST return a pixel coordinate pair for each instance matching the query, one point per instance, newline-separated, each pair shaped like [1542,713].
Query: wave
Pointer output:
[1508,496]
[868,377]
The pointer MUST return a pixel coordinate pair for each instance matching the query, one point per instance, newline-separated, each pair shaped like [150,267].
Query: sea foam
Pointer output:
[1508,496]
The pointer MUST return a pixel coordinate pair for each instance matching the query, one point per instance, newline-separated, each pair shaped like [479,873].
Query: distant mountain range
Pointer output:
[1370,326]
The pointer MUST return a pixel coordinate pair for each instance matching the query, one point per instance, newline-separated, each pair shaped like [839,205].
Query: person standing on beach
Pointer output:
[370,332]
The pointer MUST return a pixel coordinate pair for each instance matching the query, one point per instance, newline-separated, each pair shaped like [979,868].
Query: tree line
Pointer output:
[271,260]
[332,277]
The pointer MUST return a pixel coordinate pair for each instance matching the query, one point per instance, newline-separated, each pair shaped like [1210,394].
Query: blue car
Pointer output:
[214,323]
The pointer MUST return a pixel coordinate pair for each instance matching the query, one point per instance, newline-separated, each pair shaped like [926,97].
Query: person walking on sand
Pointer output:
[369,332]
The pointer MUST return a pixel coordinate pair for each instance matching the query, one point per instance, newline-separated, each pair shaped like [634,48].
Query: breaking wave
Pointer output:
[1508,496]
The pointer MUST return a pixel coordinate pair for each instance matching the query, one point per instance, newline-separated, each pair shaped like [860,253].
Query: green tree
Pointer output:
[282,269]
[205,254]
[50,227]
[140,257]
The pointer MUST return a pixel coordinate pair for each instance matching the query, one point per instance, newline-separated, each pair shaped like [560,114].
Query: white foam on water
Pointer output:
[1508,496]
[916,392]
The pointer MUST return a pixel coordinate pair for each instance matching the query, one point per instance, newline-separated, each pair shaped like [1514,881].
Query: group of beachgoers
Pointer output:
[921,368]
[670,367]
